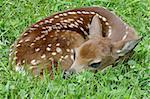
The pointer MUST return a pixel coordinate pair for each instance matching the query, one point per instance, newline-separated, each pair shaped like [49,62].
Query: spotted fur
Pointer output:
[53,39]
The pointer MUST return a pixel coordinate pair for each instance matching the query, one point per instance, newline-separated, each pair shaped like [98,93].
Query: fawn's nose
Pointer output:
[68,73]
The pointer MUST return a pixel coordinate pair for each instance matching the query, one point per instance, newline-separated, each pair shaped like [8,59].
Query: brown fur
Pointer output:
[83,29]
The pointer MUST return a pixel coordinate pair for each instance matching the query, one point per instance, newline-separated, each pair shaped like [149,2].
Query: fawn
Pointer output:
[84,38]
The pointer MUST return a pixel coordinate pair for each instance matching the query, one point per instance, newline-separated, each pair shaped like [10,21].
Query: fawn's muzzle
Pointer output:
[68,73]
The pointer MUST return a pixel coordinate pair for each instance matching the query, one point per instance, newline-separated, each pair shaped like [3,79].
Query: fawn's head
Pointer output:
[98,52]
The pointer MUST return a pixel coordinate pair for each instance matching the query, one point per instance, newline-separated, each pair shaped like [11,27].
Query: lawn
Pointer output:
[127,80]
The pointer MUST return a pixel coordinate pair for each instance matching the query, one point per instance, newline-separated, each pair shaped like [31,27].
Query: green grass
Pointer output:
[128,80]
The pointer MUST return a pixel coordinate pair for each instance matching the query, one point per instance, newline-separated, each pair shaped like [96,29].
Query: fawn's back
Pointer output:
[54,39]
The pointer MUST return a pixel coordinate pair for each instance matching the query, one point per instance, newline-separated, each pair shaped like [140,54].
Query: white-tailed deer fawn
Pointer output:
[98,36]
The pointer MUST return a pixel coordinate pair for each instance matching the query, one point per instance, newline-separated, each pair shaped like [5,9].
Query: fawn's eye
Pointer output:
[95,65]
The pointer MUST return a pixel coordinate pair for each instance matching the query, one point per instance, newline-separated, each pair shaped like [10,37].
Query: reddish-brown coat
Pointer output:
[53,38]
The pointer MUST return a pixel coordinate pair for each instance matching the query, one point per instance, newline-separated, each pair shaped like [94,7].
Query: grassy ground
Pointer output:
[128,80]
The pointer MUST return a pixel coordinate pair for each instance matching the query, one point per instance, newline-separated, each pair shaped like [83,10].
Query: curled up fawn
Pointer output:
[89,38]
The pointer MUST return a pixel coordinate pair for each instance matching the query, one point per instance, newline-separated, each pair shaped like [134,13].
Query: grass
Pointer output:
[128,80]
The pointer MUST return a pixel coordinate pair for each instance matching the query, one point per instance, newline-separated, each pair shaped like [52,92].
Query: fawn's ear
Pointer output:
[128,46]
[95,27]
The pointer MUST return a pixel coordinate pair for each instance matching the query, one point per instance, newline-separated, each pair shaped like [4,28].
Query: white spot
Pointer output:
[57,23]
[79,21]
[32,29]
[27,40]
[54,53]
[48,49]
[76,23]
[45,32]
[34,62]
[50,21]
[51,35]
[99,15]
[58,50]
[23,61]
[18,45]
[66,21]
[92,12]
[42,36]
[43,56]
[69,12]
[44,39]
[118,51]
[25,34]
[60,14]
[106,23]
[83,31]
[79,12]
[37,49]
[20,41]
[49,28]
[74,13]
[104,19]
[51,59]
[73,25]
[63,30]
[32,44]
[87,12]
[37,38]
[43,28]
[68,50]
[56,16]
[57,31]
[46,21]
[58,44]
[65,14]
[84,12]
[64,38]
[62,57]
[70,20]
[59,27]
[66,57]
[36,25]
[54,27]
[70,26]
[41,23]
[49,45]
[65,26]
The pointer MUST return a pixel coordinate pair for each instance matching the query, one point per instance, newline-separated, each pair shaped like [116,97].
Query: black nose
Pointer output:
[68,73]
